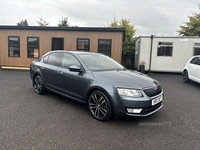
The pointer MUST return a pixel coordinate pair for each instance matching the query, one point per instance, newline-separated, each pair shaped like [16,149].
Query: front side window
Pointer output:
[196,48]
[54,59]
[104,46]
[165,49]
[33,47]
[195,60]
[83,44]
[69,60]
[13,46]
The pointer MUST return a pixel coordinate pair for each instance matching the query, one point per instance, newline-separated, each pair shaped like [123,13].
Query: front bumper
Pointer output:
[144,103]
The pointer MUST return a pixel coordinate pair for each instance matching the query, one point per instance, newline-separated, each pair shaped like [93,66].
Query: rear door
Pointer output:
[50,70]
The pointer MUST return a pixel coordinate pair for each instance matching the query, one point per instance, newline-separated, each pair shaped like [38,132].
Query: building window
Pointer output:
[104,46]
[33,47]
[165,49]
[13,46]
[196,48]
[83,44]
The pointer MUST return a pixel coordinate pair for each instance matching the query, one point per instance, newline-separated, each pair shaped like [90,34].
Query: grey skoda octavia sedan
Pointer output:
[106,87]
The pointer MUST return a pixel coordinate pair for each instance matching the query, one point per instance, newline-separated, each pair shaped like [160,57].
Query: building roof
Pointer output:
[92,29]
[178,37]
[64,28]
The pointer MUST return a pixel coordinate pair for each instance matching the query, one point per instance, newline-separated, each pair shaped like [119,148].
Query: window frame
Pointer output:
[99,50]
[84,49]
[13,46]
[33,46]
[164,50]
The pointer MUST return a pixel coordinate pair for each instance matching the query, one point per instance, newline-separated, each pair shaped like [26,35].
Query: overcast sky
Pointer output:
[159,17]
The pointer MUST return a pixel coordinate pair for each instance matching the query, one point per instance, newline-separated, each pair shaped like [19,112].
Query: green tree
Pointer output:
[129,42]
[192,27]
[23,23]
[63,22]
[42,22]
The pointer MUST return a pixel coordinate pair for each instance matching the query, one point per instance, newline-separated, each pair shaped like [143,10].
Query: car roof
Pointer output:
[73,52]
[195,56]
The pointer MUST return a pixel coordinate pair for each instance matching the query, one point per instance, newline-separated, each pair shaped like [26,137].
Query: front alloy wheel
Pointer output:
[38,85]
[185,76]
[99,106]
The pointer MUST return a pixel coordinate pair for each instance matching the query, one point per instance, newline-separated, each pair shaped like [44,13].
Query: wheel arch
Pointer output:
[34,75]
[187,72]
[97,88]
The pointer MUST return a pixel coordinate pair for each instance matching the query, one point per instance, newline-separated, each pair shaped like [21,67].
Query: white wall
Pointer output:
[183,49]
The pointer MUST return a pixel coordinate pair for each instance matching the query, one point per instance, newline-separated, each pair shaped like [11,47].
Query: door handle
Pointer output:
[42,68]
[60,72]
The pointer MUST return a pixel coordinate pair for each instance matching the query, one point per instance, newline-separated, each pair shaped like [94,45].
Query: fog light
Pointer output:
[130,110]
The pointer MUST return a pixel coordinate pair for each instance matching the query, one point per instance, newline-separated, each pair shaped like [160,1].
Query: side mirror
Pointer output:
[75,68]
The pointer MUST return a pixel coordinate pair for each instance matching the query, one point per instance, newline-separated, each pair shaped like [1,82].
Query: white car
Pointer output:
[191,70]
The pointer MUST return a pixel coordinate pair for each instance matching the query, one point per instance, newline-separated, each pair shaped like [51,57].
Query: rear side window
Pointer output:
[195,60]
[45,59]
[54,59]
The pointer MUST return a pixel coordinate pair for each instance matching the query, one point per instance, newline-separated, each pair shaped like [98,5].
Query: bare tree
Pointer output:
[42,22]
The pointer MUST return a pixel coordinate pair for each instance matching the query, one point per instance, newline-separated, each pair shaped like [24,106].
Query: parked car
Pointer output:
[106,87]
[191,70]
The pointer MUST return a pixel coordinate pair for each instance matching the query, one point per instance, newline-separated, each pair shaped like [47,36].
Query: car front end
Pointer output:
[146,102]
[133,94]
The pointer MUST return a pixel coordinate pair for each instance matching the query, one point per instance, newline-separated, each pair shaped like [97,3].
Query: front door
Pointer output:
[72,83]
[57,44]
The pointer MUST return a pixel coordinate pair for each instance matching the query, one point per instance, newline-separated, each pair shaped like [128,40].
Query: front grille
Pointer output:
[151,108]
[153,92]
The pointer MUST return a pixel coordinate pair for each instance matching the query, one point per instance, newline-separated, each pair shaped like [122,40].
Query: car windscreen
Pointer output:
[97,62]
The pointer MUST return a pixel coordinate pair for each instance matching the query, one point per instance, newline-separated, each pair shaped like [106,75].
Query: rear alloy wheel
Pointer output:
[38,85]
[99,106]
[185,76]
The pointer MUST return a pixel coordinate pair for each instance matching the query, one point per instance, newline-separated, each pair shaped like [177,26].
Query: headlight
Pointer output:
[129,92]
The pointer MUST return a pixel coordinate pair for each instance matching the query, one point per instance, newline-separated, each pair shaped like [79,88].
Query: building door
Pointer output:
[57,44]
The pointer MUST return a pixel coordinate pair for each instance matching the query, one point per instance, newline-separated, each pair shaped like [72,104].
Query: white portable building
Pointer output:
[165,54]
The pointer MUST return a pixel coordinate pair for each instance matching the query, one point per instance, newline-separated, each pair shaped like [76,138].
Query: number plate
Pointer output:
[157,100]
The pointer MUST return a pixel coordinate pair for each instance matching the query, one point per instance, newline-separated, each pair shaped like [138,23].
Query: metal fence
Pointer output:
[128,61]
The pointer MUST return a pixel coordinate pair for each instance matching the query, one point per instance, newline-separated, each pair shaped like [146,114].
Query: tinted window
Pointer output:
[195,60]
[69,60]
[13,46]
[55,59]
[104,47]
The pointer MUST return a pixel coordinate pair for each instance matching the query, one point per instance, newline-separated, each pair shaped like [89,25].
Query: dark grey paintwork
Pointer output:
[78,85]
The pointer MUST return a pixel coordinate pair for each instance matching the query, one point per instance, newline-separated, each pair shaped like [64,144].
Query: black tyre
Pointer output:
[38,85]
[99,106]
[185,76]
